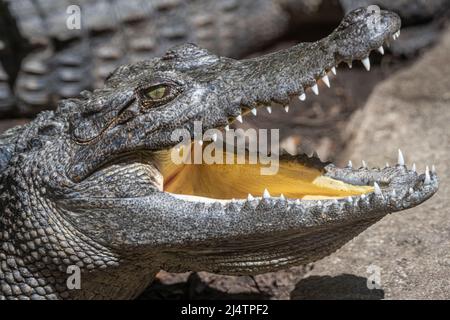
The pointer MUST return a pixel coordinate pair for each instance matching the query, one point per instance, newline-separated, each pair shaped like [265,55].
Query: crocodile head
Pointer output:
[96,179]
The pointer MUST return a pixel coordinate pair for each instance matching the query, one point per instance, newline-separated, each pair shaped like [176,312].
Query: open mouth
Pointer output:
[297,177]
[299,180]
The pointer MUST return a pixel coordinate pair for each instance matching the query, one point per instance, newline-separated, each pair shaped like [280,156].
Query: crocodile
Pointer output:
[92,185]
[45,61]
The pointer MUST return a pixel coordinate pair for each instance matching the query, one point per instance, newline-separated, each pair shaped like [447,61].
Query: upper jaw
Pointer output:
[295,72]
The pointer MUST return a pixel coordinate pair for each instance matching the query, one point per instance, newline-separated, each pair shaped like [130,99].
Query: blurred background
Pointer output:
[43,61]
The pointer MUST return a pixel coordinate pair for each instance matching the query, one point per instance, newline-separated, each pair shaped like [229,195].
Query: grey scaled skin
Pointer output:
[81,185]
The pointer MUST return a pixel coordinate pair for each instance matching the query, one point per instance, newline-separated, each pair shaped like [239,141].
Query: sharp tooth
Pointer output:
[315,89]
[398,33]
[319,203]
[302,97]
[239,118]
[349,199]
[427,176]
[282,197]
[326,80]
[387,165]
[366,63]
[334,70]
[401,159]
[227,128]
[250,197]
[433,169]
[254,111]
[411,190]
[364,164]
[350,64]
[214,137]
[363,196]
[381,50]
[414,167]
[393,193]
[350,164]
[266,194]
[286,108]
[297,202]
[377,188]
[269,109]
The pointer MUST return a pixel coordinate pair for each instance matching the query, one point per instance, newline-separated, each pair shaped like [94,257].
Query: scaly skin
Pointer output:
[83,185]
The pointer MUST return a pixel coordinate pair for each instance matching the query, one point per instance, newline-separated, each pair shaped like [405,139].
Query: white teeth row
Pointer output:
[377,191]
[325,80]
[366,63]
[400,162]
[334,70]
[401,159]
[396,35]
[377,188]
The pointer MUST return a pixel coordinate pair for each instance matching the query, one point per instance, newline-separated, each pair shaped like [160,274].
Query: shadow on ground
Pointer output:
[341,287]
[195,289]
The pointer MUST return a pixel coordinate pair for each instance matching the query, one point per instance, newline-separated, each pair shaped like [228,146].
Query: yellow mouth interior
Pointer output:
[235,181]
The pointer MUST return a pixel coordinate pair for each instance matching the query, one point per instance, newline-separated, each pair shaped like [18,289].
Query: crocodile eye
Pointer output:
[157,92]
[157,95]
